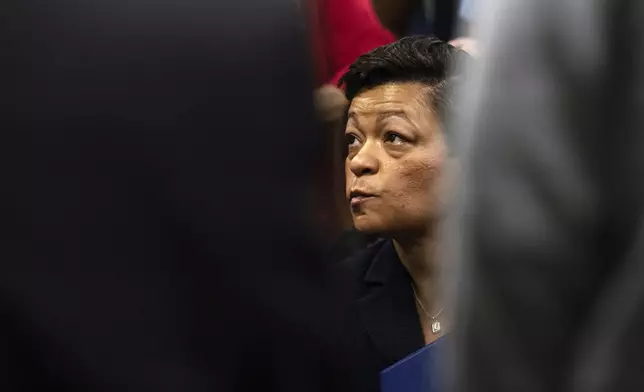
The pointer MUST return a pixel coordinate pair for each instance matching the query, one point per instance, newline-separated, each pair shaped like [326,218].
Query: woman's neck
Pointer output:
[417,254]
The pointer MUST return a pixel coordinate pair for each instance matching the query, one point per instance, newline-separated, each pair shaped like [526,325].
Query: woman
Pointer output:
[396,158]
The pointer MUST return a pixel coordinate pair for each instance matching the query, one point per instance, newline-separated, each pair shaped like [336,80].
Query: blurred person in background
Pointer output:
[397,152]
[341,31]
[549,235]
[439,18]
[449,20]
[331,106]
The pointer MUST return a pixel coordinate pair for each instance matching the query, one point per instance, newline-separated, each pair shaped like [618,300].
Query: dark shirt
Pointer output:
[384,308]
[351,243]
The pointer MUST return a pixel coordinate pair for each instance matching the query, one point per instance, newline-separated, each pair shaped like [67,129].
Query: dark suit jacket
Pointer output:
[389,328]
[350,244]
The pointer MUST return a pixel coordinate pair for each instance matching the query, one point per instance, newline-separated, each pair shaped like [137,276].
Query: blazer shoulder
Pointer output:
[351,271]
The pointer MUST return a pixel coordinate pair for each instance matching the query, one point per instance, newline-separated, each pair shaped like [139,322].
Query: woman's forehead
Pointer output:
[404,97]
[405,101]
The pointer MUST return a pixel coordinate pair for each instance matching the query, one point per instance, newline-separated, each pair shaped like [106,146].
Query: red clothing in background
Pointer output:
[343,30]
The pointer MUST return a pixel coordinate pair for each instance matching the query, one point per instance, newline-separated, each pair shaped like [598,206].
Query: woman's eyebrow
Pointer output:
[393,113]
[353,118]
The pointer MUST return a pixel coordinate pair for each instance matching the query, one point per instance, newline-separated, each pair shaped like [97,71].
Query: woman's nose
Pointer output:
[364,163]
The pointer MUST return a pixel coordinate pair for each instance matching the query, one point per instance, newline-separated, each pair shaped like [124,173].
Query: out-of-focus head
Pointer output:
[331,212]
[330,103]
[398,97]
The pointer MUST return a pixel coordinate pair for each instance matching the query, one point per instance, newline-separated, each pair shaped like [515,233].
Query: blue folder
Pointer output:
[415,373]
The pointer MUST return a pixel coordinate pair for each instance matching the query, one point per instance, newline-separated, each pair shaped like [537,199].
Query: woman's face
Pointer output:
[396,154]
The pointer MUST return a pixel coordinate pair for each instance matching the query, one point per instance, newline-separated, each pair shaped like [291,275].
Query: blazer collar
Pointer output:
[388,310]
[383,264]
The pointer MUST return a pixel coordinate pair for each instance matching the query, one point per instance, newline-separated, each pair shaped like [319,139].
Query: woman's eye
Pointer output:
[394,138]
[352,140]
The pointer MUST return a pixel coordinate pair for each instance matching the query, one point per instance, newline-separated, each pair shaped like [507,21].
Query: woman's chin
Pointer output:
[364,224]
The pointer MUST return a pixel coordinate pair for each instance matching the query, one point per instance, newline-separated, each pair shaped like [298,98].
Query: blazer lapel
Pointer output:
[388,311]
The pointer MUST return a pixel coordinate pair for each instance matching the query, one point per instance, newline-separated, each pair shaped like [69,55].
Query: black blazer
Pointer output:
[384,308]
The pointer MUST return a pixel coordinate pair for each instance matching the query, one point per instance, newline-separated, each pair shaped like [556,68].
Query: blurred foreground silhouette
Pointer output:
[157,167]
[549,240]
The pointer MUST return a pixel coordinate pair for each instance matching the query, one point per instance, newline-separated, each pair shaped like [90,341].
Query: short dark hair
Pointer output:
[426,60]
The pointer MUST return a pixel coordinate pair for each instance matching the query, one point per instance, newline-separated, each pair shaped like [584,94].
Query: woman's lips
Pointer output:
[357,198]
[356,201]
